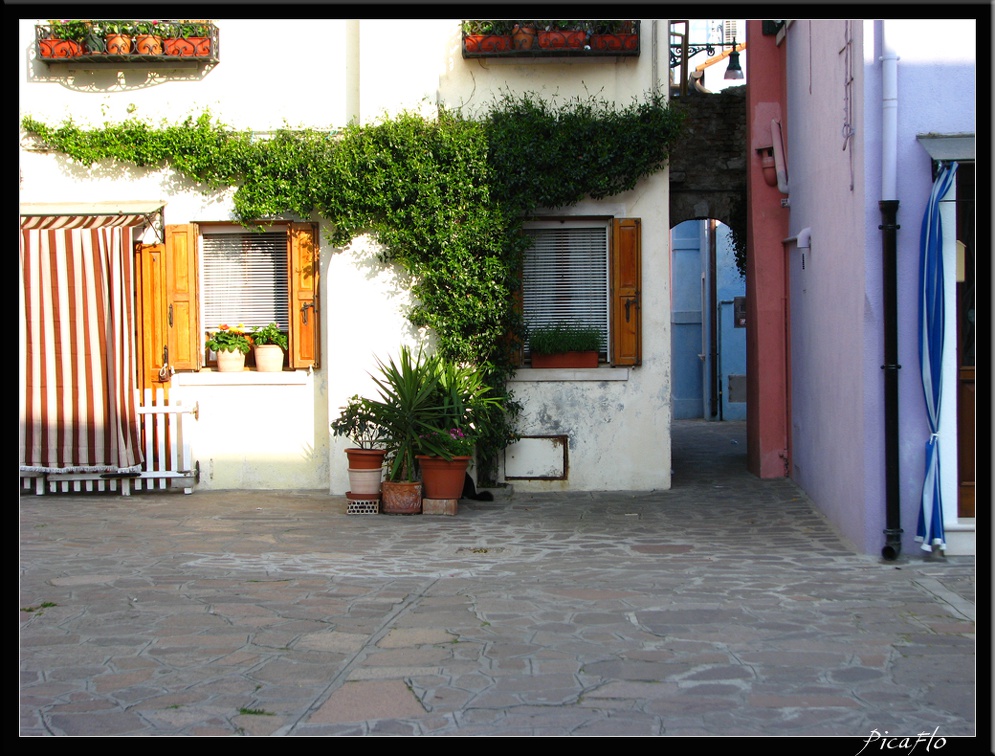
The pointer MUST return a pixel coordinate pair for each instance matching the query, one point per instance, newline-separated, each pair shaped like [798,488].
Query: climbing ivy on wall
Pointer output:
[446,198]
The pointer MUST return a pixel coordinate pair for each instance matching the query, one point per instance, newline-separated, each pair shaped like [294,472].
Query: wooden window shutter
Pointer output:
[303,262]
[150,313]
[184,338]
[626,276]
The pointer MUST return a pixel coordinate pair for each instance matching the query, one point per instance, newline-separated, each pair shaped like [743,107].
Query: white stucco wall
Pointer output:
[618,428]
[273,432]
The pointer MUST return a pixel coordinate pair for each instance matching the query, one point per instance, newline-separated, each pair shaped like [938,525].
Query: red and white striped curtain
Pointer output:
[78,401]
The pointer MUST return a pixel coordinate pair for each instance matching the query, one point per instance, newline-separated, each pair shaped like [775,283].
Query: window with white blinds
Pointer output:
[244,278]
[565,276]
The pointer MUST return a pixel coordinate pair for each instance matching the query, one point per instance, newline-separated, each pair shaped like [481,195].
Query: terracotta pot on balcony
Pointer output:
[562,40]
[523,37]
[487,43]
[60,48]
[199,47]
[148,44]
[118,44]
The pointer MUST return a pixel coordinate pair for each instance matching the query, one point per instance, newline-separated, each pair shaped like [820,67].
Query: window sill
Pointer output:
[534,375]
[209,377]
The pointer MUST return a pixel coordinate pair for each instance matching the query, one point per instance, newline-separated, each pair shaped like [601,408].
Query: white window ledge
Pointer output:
[244,378]
[571,374]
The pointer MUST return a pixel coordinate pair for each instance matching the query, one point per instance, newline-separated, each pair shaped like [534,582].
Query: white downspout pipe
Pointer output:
[889,119]
[780,164]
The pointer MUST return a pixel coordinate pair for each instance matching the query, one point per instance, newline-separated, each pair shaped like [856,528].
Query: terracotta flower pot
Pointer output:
[365,459]
[400,497]
[148,44]
[199,47]
[614,41]
[118,44]
[442,479]
[487,43]
[562,40]
[523,38]
[60,48]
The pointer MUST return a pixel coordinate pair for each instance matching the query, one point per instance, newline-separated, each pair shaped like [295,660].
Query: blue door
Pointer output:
[708,342]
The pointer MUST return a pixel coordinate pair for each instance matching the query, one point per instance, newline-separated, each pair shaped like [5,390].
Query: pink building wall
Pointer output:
[768,406]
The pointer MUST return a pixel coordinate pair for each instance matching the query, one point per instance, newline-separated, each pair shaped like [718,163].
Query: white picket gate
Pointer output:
[165,443]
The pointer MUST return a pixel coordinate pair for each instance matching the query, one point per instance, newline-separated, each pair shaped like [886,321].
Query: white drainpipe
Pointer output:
[780,164]
[889,119]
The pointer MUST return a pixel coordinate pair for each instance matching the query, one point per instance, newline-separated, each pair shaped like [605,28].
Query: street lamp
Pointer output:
[681,52]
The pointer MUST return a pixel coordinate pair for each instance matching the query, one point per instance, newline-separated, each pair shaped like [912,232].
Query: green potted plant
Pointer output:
[188,38]
[614,35]
[230,344]
[523,35]
[63,39]
[117,36]
[148,37]
[564,344]
[487,36]
[463,398]
[357,422]
[558,34]
[268,346]
[408,409]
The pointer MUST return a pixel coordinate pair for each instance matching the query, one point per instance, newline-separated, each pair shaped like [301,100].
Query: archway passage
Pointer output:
[708,166]
[708,255]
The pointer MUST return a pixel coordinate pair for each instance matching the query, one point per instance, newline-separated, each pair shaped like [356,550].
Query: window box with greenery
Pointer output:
[550,38]
[133,42]
[565,345]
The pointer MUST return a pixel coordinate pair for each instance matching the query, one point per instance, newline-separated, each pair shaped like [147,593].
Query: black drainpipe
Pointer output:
[893,515]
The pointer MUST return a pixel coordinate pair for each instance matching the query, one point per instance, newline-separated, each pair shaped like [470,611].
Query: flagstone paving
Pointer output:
[726,606]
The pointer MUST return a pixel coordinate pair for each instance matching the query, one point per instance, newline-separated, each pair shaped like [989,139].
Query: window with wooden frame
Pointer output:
[586,272]
[203,276]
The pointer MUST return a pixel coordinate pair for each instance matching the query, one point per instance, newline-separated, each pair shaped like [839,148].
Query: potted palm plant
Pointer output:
[268,346]
[563,344]
[408,409]
[447,452]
